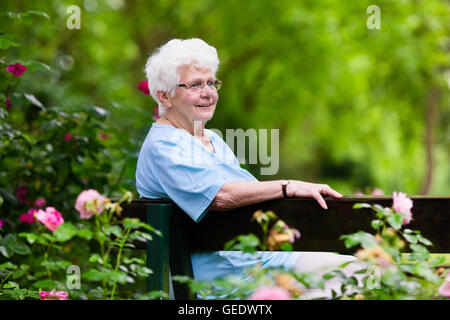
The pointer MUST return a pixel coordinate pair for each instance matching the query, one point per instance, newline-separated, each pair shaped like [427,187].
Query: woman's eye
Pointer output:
[195,85]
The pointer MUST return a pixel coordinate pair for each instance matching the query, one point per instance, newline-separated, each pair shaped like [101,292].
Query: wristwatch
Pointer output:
[284,184]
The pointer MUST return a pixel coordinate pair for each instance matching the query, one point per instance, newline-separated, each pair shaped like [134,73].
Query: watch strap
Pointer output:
[284,184]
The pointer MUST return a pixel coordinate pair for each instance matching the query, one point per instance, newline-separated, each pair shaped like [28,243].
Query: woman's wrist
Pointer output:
[286,187]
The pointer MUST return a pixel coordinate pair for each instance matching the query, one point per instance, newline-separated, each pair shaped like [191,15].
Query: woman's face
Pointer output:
[189,106]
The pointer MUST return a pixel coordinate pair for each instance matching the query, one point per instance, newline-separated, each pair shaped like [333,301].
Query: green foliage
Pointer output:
[351,103]
[354,107]
[107,257]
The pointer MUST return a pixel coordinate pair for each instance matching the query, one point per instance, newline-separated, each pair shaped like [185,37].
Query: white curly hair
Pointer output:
[162,67]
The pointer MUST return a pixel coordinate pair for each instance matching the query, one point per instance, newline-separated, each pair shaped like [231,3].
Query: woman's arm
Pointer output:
[238,194]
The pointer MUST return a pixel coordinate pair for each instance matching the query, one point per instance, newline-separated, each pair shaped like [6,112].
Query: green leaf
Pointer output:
[5,252]
[424,241]
[366,240]
[115,230]
[137,260]
[286,246]
[120,276]
[437,261]
[49,237]
[45,284]
[361,205]
[95,275]
[395,220]
[31,237]
[333,274]
[229,244]
[6,42]
[95,258]
[377,207]
[377,224]
[99,113]
[131,223]
[410,238]
[85,234]
[65,232]
[33,65]
[18,247]
[20,17]
[140,236]
[30,97]
[11,285]
[7,265]
[38,13]
[419,252]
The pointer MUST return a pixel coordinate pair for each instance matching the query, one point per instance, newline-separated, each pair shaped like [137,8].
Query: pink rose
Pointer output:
[50,218]
[403,204]
[29,216]
[68,136]
[90,202]
[40,202]
[53,295]
[143,86]
[16,69]
[1,223]
[444,289]
[377,192]
[270,293]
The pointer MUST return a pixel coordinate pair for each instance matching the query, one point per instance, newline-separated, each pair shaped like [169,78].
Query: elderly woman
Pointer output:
[182,160]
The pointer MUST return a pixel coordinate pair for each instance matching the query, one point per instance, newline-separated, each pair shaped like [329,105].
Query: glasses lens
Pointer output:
[218,84]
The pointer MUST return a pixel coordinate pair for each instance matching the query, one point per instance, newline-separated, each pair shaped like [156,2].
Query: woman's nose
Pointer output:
[206,91]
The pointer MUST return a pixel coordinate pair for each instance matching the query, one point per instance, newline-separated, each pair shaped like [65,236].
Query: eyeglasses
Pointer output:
[199,85]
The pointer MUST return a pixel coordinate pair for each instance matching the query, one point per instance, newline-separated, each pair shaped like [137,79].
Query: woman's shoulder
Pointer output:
[163,138]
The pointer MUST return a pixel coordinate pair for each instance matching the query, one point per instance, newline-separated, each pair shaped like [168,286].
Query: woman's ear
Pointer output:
[164,98]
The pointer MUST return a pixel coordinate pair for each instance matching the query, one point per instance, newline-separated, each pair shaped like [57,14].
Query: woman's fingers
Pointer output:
[329,191]
[320,200]
[302,189]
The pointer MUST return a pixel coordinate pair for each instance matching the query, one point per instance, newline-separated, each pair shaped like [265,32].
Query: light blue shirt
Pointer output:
[173,164]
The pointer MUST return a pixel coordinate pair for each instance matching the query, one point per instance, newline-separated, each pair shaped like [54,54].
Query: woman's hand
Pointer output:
[300,189]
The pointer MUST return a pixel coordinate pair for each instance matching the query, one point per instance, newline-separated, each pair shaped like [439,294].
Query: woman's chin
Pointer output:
[204,113]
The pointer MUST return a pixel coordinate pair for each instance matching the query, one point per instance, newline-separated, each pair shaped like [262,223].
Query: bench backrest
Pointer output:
[320,229]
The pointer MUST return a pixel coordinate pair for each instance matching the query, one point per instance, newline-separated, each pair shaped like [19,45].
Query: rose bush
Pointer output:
[56,147]
[100,246]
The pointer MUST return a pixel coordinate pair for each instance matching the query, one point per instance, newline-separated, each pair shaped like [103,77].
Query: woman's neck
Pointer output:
[196,129]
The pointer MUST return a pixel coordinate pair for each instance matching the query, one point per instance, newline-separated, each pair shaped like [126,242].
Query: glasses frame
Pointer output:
[217,85]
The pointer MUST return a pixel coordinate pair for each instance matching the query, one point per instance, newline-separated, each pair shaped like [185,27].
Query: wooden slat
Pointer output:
[321,229]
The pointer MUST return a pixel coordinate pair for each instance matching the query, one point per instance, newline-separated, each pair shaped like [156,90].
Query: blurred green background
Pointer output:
[357,108]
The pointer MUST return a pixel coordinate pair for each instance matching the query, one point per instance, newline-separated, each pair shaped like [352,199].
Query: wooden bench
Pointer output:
[320,229]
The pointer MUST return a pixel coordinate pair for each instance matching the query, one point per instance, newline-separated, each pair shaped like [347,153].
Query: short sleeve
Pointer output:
[192,182]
